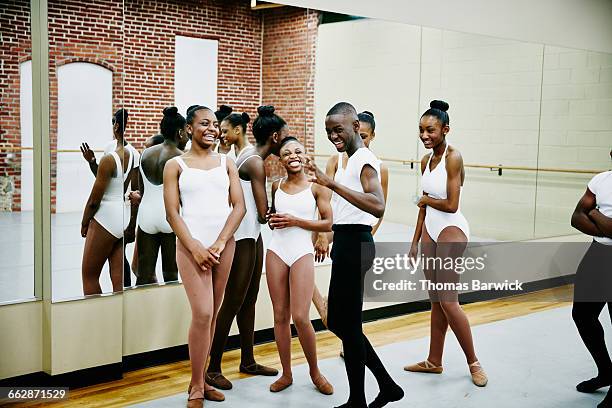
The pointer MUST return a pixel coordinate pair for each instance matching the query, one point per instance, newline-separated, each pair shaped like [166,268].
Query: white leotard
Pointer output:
[204,200]
[434,184]
[290,244]
[114,211]
[151,212]
[250,226]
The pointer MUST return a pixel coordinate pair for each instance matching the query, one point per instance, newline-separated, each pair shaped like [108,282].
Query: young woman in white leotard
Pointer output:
[204,206]
[444,233]
[154,232]
[107,215]
[233,134]
[290,260]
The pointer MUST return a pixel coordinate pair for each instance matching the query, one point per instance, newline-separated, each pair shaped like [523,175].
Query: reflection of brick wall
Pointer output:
[15,48]
[137,45]
[289,42]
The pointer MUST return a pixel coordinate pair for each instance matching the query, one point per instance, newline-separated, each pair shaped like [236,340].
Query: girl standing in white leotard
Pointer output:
[107,215]
[290,260]
[204,206]
[444,233]
[154,232]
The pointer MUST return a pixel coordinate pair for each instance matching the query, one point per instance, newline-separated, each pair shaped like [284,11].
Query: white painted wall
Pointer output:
[195,72]
[25,113]
[84,113]
[582,24]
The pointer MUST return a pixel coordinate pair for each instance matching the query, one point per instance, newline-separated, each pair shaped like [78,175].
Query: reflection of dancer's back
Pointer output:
[154,232]
[106,215]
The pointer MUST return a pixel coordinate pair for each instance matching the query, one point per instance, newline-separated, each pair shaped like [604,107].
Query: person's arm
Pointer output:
[204,258]
[384,181]
[580,218]
[90,157]
[321,240]
[603,223]
[103,178]
[272,209]
[280,221]
[237,213]
[418,229]
[370,201]
[454,164]
[257,173]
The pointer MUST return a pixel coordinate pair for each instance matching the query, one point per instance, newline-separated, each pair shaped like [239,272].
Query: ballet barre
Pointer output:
[492,167]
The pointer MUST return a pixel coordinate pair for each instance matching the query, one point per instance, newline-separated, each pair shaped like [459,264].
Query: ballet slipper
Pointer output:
[280,384]
[424,367]
[323,385]
[196,398]
[217,380]
[210,395]
[479,377]
[258,369]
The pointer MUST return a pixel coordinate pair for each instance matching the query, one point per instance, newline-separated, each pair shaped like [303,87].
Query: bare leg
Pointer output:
[301,286]
[147,249]
[199,288]
[451,244]
[320,305]
[116,265]
[439,323]
[99,244]
[277,276]
[168,257]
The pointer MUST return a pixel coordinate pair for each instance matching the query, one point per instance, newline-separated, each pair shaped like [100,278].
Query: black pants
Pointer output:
[350,260]
[592,291]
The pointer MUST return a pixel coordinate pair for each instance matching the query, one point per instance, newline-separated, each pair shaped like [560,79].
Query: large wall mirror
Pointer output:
[17,277]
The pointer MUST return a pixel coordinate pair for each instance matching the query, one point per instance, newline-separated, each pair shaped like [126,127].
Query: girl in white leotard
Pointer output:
[444,233]
[107,215]
[290,260]
[204,205]
[154,232]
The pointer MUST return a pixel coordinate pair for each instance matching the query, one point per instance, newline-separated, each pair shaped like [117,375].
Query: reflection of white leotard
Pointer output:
[114,211]
[151,212]
[434,184]
[249,226]
[290,244]
[204,200]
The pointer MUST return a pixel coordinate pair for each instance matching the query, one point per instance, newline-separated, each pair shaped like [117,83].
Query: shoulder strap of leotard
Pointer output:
[244,161]
[223,161]
[181,163]
[117,162]
[126,174]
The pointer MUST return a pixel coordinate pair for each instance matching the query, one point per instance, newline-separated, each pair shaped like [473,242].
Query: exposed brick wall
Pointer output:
[15,48]
[135,40]
[288,69]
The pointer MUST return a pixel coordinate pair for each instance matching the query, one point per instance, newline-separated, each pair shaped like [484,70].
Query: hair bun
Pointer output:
[368,113]
[245,117]
[225,109]
[436,104]
[266,110]
[170,111]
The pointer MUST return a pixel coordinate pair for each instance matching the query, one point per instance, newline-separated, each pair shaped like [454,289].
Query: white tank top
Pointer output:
[250,226]
[204,196]
[345,212]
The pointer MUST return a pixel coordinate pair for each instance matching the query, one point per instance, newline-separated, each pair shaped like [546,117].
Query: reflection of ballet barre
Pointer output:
[20,148]
[499,168]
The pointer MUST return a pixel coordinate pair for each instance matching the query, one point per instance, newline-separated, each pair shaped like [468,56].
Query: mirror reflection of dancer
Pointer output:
[154,232]
[367,131]
[290,260]
[89,155]
[357,201]
[106,214]
[203,184]
[593,284]
[242,288]
[444,233]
